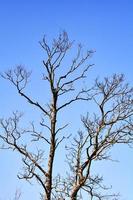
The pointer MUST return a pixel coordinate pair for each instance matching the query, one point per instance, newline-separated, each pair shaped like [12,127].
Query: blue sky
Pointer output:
[106,26]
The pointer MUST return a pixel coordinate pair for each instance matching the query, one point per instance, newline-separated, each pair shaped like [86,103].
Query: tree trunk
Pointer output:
[52,150]
[74,193]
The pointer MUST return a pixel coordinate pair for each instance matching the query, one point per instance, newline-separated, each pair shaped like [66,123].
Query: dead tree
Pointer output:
[59,85]
[111,124]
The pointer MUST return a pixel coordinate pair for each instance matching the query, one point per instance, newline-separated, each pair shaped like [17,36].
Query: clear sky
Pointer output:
[106,26]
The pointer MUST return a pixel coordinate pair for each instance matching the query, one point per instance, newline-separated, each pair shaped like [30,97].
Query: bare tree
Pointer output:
[110,125]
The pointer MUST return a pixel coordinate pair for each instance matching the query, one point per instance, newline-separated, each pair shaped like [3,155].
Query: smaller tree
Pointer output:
[111,124]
